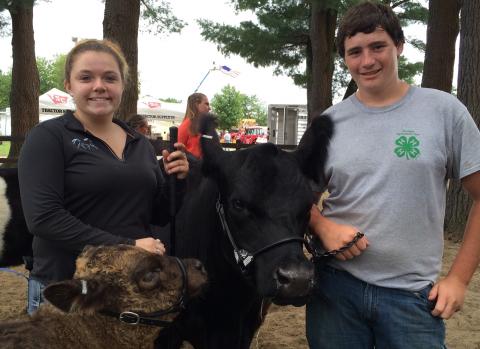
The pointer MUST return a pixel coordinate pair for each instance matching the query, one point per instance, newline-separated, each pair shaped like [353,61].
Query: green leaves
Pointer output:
[280,35]
[159,17]
[228,107]
[231,106]
[51,73]
[5,86]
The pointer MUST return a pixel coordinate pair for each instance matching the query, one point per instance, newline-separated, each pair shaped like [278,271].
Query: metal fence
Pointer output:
[158,145]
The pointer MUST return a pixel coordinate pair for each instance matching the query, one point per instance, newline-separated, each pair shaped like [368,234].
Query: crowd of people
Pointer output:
[87,178]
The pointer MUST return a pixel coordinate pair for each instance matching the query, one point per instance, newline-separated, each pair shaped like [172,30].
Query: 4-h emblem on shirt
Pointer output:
[407,146]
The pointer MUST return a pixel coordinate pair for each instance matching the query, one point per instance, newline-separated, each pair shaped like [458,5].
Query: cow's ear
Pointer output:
[77,293]
[312,151]
[210,143]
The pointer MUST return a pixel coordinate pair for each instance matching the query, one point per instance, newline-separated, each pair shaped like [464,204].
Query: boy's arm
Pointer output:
[334,236]
[450,291]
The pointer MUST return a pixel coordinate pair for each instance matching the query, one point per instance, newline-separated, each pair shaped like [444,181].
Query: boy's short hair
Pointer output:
[365,18]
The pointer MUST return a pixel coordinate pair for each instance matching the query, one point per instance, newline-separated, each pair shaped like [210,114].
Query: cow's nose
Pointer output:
[294,281]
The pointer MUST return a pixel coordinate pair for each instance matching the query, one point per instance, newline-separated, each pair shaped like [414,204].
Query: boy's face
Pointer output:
[372,60]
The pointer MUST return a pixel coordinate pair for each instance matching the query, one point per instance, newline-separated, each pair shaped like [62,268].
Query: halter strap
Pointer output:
[242,256]
[152,319]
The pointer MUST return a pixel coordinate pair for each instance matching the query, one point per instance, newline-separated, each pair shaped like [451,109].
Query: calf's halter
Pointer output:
[242,256]
[136,317]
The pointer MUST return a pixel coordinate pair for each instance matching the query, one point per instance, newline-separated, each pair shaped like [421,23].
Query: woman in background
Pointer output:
[139,123]
[197,105]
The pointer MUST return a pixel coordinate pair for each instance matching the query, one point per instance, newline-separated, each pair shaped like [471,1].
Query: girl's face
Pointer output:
[96,85]
[203,106]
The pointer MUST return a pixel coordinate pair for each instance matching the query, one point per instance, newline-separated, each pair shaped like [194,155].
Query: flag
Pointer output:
[226,70]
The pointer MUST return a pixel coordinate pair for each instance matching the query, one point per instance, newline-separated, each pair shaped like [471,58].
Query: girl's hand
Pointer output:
[176,162]
[151,245]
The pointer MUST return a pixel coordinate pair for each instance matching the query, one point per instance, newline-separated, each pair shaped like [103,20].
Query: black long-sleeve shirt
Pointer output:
[75,192]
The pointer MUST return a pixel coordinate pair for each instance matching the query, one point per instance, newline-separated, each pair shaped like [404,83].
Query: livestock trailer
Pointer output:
[286,123]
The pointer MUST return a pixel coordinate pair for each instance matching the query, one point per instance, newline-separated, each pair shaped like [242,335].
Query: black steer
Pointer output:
[265,195]
[253,251]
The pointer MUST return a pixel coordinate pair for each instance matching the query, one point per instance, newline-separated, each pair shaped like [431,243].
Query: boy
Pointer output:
[393,150]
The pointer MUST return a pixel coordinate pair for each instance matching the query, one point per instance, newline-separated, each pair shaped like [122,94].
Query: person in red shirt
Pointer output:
[197,104]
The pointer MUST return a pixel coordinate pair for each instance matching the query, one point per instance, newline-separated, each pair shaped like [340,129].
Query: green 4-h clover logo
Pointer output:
[407,147]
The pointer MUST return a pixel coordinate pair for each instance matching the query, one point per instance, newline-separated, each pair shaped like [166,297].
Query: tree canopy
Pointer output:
[51,73]
[231,106]
[281,37]
[5,86]
[228,106]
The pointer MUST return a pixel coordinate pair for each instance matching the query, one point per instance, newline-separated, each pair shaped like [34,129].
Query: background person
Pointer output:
[139,123]
[227,137]
[88,179]
[197,104]
[393,150]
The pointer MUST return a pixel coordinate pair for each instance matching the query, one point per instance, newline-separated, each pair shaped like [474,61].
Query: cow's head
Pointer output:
[266,196]
[115,279]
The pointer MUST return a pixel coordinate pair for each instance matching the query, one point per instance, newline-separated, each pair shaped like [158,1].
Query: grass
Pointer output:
[4,148]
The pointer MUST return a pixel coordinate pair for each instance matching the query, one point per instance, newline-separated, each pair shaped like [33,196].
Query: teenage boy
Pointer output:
[395,146]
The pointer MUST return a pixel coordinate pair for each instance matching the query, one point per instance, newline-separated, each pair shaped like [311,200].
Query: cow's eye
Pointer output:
[238,204]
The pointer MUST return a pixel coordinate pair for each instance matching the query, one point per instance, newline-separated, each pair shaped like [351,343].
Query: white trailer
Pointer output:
[287,123]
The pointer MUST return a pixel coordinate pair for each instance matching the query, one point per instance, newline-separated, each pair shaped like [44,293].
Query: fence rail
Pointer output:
[158,145]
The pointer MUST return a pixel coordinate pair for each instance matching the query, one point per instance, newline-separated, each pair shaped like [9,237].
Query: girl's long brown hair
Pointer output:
[192,111]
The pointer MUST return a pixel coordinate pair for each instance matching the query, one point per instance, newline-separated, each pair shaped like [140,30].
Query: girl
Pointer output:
[87,178]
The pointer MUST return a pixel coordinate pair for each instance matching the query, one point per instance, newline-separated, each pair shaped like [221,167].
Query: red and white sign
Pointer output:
[153,105]
[57,99]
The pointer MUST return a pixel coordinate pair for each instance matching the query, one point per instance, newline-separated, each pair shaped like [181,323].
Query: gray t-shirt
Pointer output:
[387,173]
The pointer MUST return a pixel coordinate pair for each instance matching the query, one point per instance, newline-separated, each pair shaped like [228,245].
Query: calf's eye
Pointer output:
[148,277]
[149,280]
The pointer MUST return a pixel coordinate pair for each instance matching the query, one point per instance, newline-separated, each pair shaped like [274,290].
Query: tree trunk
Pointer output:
[442,32]
[458,202]
[351,89]
[323,21]
[120,24]
[25,81]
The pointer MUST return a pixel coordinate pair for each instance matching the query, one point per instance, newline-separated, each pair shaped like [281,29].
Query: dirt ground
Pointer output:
[284,326]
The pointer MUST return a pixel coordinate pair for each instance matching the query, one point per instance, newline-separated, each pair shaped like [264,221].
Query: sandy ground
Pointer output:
[284,326]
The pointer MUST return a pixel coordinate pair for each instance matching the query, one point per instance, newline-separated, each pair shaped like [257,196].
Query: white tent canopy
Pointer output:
[53,103]
[156,109]
[160,115]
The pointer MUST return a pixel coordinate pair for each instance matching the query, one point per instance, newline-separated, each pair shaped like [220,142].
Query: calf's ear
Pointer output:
[74,294]
[312,151]
[210,143]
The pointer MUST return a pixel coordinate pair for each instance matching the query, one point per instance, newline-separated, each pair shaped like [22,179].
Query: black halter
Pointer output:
[242,256]
[152,319]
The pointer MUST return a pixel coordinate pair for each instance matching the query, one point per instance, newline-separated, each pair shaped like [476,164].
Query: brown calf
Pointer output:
[145,290]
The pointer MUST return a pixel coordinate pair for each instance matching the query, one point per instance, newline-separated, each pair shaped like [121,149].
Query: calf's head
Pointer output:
[266,198]
[114,279]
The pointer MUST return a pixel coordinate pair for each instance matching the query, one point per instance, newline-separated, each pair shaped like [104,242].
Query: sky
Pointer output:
[170,65]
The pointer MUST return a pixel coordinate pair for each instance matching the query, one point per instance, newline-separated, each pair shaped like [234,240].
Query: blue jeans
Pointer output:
[346,313]
[35,295]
